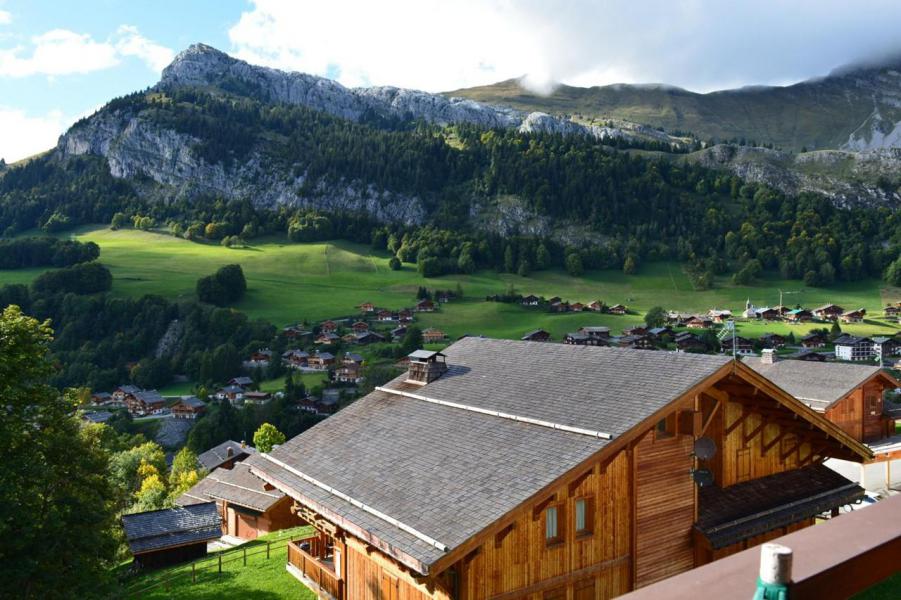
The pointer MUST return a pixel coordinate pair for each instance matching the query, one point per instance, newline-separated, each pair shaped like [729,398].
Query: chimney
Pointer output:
[425,367]
[768,356]
[229,452]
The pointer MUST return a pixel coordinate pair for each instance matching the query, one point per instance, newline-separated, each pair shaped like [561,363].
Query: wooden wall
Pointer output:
[860,413]
[248,525]
[370,575]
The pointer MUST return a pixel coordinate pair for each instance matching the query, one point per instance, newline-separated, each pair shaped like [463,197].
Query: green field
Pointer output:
[289,283]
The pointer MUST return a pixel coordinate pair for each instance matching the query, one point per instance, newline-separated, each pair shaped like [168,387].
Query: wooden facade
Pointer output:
[860,413]
[623,519]
[248,524]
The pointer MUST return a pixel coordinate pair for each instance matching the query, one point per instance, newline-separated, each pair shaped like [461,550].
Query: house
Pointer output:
[349,372]
[677,319]
[769,314]
[233,393]
[100,398]
[424,305]
[96,416]
[828,312]
[352,357]
[618,309]
[257,398]
[560,307]
[295,359]
[589,495]
[849,347]
[364,338]
[851,397]
[443,298]
[806,354]
[433,336]
[638,342]
[321,361]
[121,393]
[405,316]
[248,507]
[530,300]
[884,347]
[145,402]
[188,407]
[799,315]
[328,338]
[741,346]
[659,332]
[360,327]
[539,335]
[814,340]
[328,327]
[719,316]
[398,332]
[854,316]
[699,322]
[260,358]
[170,536]
[576,307]
[224,455]
[554,301]
[635,330]
[595,333]
[772,340]
[596,306]
[385,315]
[294,332]
[367,307]
[892,311]
[576,338]
[687,341]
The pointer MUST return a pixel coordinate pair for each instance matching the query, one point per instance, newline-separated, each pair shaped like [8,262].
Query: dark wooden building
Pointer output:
[539,335]
[170,536]
[225,455]
[548,471]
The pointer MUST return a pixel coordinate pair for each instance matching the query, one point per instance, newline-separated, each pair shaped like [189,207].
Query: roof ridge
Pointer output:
[495,413]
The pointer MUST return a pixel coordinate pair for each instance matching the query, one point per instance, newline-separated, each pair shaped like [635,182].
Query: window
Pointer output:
[584,516]
[552,534]
[665,428]
[872,404]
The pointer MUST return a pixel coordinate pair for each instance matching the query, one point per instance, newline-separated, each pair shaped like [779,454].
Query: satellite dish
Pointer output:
[704,448]
[702,477]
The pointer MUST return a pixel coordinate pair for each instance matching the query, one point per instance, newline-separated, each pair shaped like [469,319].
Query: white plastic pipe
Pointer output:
[775,564]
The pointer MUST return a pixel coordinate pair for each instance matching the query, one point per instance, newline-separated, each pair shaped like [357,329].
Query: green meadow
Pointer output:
[289,283]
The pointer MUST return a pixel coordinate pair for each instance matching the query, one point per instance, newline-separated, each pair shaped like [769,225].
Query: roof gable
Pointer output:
[170,527]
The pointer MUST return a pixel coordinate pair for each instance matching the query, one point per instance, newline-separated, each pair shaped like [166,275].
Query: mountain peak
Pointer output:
[196,65]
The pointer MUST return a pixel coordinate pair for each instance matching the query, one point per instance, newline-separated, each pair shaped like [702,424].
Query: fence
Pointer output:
[213,564]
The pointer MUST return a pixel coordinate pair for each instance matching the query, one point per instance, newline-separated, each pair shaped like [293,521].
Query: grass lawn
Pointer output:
[185,388]
[888,589]
[288,283]
[261,579]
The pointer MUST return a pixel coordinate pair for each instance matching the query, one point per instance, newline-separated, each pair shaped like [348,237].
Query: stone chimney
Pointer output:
[425,367]
[768,356]
[229,452]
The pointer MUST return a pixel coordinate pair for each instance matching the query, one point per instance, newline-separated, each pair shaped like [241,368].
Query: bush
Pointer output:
[394,263]
[225,286]
[86,278]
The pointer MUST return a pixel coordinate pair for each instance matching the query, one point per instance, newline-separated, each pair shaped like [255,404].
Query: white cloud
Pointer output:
[437,45]
[65,52]
[25,135]
[5,17]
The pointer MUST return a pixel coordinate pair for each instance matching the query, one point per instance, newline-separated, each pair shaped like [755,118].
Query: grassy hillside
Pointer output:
[288,283]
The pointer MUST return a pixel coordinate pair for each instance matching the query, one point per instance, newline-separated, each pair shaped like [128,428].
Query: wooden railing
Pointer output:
[321,573]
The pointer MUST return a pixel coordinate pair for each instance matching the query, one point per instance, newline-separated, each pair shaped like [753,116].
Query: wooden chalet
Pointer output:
[248,506]
[808,355]
[367,307]
[405,315]
[425,305]
[224,455]
[321,361]
[243,382]
[351,369]
[635,330]
[699,322]
[799,315]
[360,327]
[828,312]
[170,536]
[539,335]
[892,311]
[719,316]
[576,307]
[433,336]
[738,345]
[596,306]
[560,307]
[385,315]
[398,333]
[588,496]
[595,332]
[530,300]
[659,332]
[885,347]
[295,359]
[639,342]
[364,338]
[687,341]
[188,407]
[328,337]
[328,327]
[260,358]
[618,309]
[576,338]
[814,340]
[854,316]
[231,393]
[145,402]
[772,340]
[257,398]
[121,393]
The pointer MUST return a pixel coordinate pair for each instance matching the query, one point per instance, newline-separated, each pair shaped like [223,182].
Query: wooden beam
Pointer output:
[745,413]
[753,433]
[501,535]
[766,447]
[792,448]
[716,408]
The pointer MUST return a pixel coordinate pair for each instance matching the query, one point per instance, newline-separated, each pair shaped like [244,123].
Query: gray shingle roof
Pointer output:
[236,486]
[217,455]
[448,472]
[817,384]
[161,529]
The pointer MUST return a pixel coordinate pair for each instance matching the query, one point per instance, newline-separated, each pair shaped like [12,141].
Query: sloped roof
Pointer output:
[404,452]
[236,486]
[192,401]
[817,384]
[217,455]
[170,527]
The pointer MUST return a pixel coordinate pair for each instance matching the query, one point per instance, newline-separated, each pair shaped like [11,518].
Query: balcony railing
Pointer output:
[310,556]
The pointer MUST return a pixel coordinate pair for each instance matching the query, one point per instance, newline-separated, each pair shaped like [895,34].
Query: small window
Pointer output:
[552,533]
[584,516]
[665,428]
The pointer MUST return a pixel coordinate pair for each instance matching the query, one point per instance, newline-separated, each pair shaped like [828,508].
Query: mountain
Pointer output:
[854,108]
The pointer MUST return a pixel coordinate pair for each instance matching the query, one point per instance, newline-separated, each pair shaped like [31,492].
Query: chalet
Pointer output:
[554,301]
[850,396]
[328,338]
[433,336]
[360,327]
[814,340]
[854,316]
[742,346]
[232,393]
[425,305]
[699,322]
[352,357]
[799,315]
[405,316]
[260,358]
[530,300]
[385,315]
[884,347]
[561,307]
[808,355]
[659,332]
[772,340]
[539,335]
[638,342]
[225,455]
[294,332]
[96,416]
[782,310]
[595,332]
[576,338]
[576,307]
[321,361]
[618,309]
[160,538]
[635,330]
[398,332]
[719,316]
[596,306]
[849,347]
[188,407]
[768,314]
[828,312]
[295,359]
[121,393]
[677,319]
[687,341]
[599,492]
[257,398]
[328,327]
[101,398]
[892,311]
[145,402]
[242,382]
[248,506]
[367,307]
[349,372]
[364,338]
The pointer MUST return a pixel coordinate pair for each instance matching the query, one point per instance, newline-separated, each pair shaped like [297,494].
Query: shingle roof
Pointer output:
[817,384]
[192,401]
[385,450]
[161,529]
[217,455]
[236,486]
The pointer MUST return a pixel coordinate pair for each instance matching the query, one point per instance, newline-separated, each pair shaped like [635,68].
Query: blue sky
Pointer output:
[60,60]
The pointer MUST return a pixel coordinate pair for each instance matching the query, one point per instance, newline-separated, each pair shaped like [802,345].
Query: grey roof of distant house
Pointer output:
[129,389]
[192,401]
[817,384]
[149,396]
[99,416]
[170,527]
[217,455]
[434,467]
[236,486]
[243,380]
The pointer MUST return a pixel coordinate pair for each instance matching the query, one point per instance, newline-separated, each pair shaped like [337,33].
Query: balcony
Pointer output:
[312,560]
